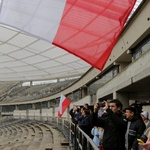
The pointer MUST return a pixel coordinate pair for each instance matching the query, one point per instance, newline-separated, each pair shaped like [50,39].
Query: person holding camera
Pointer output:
[101,112]
[114,126]
[74,113]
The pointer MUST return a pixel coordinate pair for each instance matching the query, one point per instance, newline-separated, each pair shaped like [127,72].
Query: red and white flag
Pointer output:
[64,103]
[88,29]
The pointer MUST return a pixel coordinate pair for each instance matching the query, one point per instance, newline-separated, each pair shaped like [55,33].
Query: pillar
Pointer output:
[123,97]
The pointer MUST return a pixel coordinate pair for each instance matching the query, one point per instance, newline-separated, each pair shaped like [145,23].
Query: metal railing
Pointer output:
[79,139]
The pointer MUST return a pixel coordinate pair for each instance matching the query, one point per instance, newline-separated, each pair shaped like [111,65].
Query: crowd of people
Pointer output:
[114,128]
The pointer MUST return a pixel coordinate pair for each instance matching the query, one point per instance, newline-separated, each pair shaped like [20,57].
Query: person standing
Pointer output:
[145,117]
[114,126]
[84,122]
[74,114]
[135,128]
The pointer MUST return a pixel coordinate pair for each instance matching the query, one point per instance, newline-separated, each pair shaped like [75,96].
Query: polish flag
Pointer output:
[64,103]
[88,29]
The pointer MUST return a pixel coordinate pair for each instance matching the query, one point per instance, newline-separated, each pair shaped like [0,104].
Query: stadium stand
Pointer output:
[28,134]
[34,109]
[20,93]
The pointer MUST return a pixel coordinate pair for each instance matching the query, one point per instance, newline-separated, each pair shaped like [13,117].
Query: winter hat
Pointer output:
[145,114]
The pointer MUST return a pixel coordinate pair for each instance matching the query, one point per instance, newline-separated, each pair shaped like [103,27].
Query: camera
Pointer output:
[101,104]
[138,105]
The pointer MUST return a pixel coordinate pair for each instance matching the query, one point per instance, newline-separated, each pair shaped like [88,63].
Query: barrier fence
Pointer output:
[79,139]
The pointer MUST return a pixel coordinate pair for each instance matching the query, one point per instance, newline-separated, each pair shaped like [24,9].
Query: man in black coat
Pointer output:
[135,128]
[114,126]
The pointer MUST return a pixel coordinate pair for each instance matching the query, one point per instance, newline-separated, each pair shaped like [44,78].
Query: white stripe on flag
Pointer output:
[62,98]
[40,18]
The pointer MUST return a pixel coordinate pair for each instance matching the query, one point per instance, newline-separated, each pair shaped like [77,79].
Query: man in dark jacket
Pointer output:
[135,128]
[114,126]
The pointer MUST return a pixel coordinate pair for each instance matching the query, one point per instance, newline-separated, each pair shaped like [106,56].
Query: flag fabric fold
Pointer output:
[89,29]
[63,104]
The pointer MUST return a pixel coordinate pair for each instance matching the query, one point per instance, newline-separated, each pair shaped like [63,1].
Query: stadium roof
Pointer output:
[23,57]
[26,58]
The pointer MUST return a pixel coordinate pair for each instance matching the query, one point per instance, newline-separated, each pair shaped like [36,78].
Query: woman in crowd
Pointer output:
[145,118]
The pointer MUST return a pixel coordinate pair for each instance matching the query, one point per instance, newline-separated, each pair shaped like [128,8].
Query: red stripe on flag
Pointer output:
[90,29]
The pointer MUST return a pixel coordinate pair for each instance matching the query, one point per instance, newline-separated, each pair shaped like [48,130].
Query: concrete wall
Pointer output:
[135,72]
[48,112]
[20,113]
[81,102]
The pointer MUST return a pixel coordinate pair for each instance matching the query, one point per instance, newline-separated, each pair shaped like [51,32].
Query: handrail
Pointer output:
[79,139]
[83,141]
